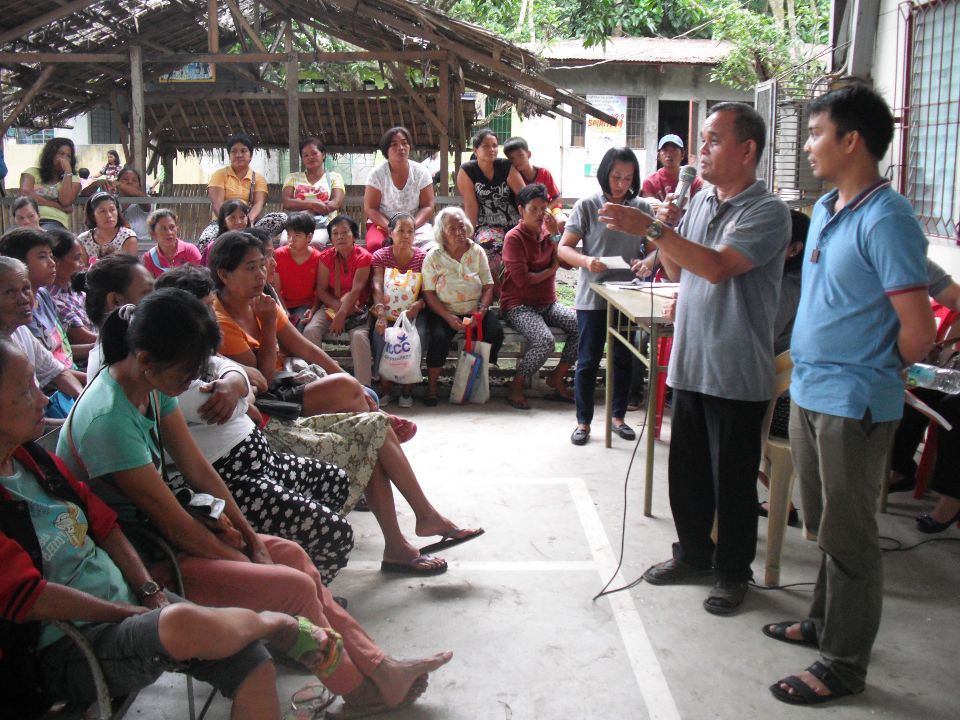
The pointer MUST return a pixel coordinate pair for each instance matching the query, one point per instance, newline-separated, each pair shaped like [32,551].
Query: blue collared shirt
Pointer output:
[844,345]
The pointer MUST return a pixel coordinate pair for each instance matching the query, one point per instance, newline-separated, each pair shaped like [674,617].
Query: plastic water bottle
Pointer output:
[935,378]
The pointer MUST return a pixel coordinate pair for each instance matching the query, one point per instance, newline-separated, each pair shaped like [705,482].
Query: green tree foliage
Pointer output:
[769,36]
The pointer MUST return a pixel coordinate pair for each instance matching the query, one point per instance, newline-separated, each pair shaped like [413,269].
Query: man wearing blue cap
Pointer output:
[664,180]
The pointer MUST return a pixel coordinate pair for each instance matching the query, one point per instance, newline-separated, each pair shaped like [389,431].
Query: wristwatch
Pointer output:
[654,230]
[148,589]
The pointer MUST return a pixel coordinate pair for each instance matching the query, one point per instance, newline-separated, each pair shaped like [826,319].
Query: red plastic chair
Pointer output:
[945,318]
[664,346]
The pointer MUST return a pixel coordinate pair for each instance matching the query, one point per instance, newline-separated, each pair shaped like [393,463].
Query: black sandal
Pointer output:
[725,597]
[806,695]
[808,632]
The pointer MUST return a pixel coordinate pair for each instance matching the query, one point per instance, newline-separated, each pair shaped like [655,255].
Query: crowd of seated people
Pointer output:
[150,425]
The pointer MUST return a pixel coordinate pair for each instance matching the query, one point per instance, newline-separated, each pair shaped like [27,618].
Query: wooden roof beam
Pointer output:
[25,100]
[243,25]
[45,19]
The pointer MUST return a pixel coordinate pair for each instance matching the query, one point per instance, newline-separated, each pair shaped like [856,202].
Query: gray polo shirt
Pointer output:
[600,241]
[723,335]
[937,278]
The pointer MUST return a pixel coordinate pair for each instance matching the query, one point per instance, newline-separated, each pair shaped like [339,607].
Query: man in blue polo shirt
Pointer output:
[863,316]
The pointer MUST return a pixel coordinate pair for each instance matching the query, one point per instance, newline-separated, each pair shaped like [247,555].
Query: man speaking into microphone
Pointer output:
[728,253]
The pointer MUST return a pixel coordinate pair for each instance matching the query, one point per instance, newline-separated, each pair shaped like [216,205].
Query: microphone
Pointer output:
[687,175]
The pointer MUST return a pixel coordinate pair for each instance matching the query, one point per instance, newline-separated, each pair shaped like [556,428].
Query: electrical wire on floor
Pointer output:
[898,545]
[626,480]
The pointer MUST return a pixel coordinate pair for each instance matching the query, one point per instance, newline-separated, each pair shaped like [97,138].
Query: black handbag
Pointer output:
[284,399]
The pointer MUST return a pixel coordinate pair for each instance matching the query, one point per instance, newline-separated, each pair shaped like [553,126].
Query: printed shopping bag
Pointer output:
[400,362]
[480,392]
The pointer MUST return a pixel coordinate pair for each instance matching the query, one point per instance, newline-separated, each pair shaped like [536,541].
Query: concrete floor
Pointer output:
[515,605]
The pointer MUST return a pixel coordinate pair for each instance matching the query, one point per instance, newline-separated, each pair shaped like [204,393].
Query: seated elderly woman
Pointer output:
[529,297]
[256,333]
[170,251]
[91,575]
[237,181]
[118,434]
[343,295]
[456,285]
[108,231]
[16,311]
[398,185]
[34,248]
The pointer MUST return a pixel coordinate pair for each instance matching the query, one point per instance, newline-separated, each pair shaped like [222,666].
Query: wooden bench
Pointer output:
[514,347]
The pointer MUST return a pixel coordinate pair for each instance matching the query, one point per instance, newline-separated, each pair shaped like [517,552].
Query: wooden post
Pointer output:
[213,30]
[138,126]
[293,100]
[443,112]
[25,100]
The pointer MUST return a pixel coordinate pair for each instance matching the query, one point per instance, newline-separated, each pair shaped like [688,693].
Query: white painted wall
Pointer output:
[549,138]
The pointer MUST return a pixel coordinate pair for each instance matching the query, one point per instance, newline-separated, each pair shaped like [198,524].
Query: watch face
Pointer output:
[149,588]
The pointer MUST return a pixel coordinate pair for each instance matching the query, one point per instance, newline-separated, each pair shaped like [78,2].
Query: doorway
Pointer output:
[674,117]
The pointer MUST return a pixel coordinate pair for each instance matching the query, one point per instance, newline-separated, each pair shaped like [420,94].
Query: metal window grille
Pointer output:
[578,129]
[500,119]
[636,118]
[783,164]
[929,132]
[33,137]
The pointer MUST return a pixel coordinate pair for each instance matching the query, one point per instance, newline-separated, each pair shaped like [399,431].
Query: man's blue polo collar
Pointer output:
[829,200]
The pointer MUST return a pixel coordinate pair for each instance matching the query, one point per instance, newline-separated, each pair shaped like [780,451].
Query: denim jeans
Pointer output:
[593,335]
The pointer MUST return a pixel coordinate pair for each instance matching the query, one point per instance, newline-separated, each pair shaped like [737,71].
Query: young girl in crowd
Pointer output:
[297,265]
[70,303]
[233,215]
[26,212]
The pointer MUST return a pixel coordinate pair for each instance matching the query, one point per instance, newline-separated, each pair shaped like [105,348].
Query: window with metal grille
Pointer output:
[33,137]
[578,128]
[636,117]
[930,134]
[500,120]
[103,127]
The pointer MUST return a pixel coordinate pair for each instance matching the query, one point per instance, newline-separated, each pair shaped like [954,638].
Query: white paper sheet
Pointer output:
[615,262]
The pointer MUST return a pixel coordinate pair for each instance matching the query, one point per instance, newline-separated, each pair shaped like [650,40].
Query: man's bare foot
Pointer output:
[814,683]
[396,678]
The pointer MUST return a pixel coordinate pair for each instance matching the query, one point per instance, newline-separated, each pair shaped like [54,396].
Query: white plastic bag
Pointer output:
[400,362]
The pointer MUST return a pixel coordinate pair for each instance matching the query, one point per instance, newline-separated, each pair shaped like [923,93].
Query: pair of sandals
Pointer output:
[799,693]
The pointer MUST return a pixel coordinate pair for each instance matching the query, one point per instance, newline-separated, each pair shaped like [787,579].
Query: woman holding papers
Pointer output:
[619,178]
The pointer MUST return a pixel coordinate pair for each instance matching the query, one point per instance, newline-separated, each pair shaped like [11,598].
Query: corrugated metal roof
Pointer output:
[636,50]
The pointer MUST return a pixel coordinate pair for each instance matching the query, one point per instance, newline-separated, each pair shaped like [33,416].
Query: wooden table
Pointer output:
[629,310]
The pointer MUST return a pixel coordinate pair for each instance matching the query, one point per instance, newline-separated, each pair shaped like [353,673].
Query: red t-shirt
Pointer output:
[358,259]
[524,253]
[660,184]
[544,177]
[298,282]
